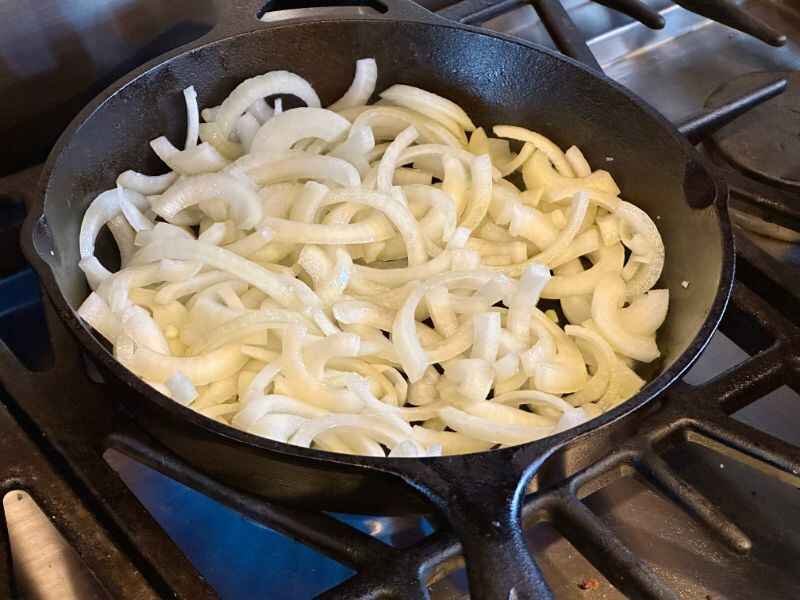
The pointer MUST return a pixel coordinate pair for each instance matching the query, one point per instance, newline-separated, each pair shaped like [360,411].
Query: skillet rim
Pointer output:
[36,224]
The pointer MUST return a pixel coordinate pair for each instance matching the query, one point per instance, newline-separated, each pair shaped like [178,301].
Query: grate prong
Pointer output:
[607,552]
[699,126]
[656,469]
[753,442]
[566,35]
[335,539]
[638,10]
[727,13]
[743,384]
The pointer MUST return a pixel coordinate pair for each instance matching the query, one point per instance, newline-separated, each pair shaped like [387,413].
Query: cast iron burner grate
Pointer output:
[56,424]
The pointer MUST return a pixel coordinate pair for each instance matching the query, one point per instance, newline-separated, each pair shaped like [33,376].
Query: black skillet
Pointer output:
[497,79]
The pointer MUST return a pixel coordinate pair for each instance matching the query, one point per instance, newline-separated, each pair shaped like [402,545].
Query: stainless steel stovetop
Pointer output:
[674,69]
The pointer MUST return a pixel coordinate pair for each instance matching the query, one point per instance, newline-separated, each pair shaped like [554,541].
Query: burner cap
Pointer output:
[765,141]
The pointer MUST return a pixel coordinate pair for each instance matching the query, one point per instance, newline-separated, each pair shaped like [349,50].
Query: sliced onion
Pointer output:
[124,236]
[133,215]
[277,427]
[259,406]
[146,184]
[404,337]
[275,286]
[201,370]
[607,301]
[399,119]
[578,162]
[543,144]
[260,110]
[533,281]
[101,210]
[375,229]
[281,132]
[437,104]
[481,174]
[539,172]
[263,86]
[388,163]
[96,312]
[646,313]
[328,168]
[647,275]
[181,389]
[451,442]
[442,207]
[603,382]
[375,427]
[481,429]
[263,298]
[192,117]
[356,148]
[608,260]
[362,87]
[246,128]
[202,158]
[520,159]
[243,202]
[210,133]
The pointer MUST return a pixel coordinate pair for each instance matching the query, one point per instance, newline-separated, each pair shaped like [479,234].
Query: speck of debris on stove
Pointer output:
[589,583]
[684,284]
[609,159]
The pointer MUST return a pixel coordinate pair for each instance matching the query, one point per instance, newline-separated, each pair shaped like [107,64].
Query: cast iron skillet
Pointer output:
[497,79]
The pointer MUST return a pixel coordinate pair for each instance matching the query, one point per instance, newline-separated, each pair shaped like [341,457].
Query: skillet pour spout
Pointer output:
[496,79]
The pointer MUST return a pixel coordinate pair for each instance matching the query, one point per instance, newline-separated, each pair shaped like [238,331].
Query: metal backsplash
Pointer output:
[56,54]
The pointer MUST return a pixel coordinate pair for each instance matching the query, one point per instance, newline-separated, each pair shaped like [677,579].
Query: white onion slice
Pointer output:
[488,431]
[242,201]
[362,87]
[181,389]
[192,117]
[262,86]
[542,143]
[146,184]
[409,350]
[246,128]
[328,168]
[124,236]
[481,174]
[276,286]
[400,118]
[607,301]
[647,275]
[388,163]
[399,92]
[646,313]
[201,370]
[578,162]
[203,158]
[281,132]
[538,172]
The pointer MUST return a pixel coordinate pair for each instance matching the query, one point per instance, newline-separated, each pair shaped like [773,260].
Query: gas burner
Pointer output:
[764,143]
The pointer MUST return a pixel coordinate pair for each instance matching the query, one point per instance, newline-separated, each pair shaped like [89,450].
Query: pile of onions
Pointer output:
[369,278]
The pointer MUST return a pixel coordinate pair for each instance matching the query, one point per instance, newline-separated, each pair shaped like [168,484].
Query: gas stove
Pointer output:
[699,501]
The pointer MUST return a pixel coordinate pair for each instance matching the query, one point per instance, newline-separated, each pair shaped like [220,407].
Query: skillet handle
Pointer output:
[235,16]
[481,496]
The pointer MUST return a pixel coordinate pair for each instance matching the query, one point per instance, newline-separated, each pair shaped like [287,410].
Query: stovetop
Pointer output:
[675,69]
